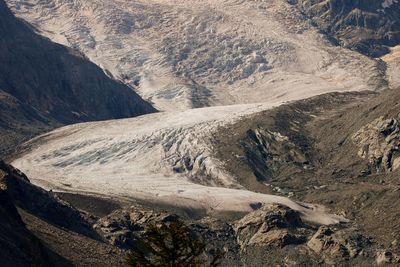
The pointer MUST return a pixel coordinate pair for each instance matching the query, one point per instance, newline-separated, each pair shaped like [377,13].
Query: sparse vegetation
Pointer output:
[171,245]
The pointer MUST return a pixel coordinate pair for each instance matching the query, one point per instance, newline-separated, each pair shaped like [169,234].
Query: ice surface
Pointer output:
[233,57]
[164,157]
[192,53]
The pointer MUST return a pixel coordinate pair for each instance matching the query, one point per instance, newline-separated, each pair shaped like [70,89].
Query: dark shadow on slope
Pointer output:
[365,26]
[44,85]
[43,204]
[18,246]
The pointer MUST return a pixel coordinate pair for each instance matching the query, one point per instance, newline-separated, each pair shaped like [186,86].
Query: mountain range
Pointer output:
[271,128]
[370,27]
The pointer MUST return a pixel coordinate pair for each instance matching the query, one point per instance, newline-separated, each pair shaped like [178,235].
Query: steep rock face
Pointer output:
[43,84]
[19,121]
[18,247]
[39,229]
[41,203]
[338,244]
[367,26]
[379,142]
[268,151]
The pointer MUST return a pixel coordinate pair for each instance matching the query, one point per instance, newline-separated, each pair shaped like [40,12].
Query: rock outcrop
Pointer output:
[41,203]
[122,227]
[368,26]
[268,151]
[379,142]
[385,257]
[338,244]
[271,225]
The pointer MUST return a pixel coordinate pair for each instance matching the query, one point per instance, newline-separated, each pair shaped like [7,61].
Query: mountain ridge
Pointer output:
[278,144]
[44,85]
[368,26]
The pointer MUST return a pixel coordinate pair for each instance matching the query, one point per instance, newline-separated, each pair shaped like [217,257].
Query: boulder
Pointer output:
[384,257]
[271,225]
[338,244]
[122,227]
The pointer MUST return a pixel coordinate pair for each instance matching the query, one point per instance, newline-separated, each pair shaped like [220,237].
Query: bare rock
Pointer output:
[386,257]
[367,26]
[41,203]
[337,244]
[122,227]
[323,241]
[268,151]
[379,142]
[271,225]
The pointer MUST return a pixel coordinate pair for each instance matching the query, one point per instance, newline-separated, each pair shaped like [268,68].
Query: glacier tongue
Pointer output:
[170,144]
[148,159]
[180,55]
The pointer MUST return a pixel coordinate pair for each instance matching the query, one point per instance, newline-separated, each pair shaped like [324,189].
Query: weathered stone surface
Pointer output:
[122,227]
[337,244]
[367,25]
[379,142]
[386,257]
[268,151]
[271,225]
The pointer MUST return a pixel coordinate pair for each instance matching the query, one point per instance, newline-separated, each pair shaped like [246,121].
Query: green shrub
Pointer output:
[170,245]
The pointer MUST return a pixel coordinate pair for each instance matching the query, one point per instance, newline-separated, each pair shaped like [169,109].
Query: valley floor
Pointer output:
[215,70]
[182,55]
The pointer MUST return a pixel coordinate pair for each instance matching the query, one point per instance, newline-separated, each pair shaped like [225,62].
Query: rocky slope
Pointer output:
[43,85]
[340,150]
[272,234]
[368,26]
[60,235]
[240,175]
[18,246]
[40,229]
[41,203]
